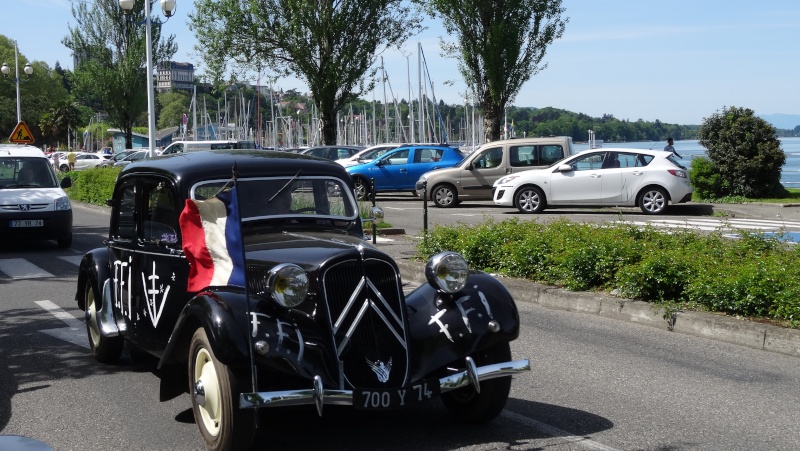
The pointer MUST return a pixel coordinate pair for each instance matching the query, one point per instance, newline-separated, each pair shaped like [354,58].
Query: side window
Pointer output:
[626,160]
[550,154]
[424,155]
[126,219]
[589,162]
[490,158]
[521,156]
[399,157]
[161,217]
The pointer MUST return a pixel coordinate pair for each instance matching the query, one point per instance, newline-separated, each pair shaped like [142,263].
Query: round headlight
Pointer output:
[447,272]
[288,284]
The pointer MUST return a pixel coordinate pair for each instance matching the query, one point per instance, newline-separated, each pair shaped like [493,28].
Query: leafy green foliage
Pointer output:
[706,179]
[753,275]
[331,46]
[93,186]
[745,151]
[500,45]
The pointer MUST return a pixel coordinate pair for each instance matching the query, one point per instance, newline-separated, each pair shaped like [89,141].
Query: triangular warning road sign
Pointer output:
[21,134]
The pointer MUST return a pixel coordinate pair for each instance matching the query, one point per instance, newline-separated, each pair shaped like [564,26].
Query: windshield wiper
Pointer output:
[291,180]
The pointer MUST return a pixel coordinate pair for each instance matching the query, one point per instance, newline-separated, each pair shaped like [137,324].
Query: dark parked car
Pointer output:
[399,169]
[263,293]
[332,152]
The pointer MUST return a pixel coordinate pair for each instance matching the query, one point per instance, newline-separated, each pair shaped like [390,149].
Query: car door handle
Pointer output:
[637,172]
[403,171]
[595,176]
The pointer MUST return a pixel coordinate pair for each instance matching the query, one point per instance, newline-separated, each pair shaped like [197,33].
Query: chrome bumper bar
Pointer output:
[320,396]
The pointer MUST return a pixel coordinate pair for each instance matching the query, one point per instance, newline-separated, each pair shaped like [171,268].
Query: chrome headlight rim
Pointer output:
[447,272]
[288,285]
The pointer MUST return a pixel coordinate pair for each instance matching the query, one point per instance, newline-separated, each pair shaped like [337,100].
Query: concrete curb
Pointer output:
[715,327]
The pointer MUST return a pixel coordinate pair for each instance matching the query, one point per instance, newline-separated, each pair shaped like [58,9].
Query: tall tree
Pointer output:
[500,45]
[110,48]
[330,45]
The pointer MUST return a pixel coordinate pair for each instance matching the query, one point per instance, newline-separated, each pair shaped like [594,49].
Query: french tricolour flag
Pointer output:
[212,241]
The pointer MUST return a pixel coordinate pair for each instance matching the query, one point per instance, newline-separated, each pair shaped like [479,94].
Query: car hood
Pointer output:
[16,196]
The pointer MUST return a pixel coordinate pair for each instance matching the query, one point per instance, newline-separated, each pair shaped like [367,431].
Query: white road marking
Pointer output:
[556,432]
[19,268]
[74,333]
[74,259]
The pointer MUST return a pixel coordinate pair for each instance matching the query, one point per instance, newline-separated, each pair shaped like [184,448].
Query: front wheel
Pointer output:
[104,349]
[653,201]
[469,406]
[444,196]
[214,390]
[530,199]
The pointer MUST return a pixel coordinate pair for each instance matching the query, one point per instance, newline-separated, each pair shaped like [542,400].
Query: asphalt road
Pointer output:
[596,383]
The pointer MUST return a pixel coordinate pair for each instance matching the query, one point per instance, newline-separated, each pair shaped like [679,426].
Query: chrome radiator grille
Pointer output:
[365,307]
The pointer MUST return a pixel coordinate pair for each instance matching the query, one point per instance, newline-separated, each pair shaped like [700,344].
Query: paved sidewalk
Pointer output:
[713,326]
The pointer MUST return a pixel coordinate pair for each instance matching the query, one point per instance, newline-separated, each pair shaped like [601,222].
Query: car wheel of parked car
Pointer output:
[469,406]
[64,168]
[530,199]
[214,391]
[363,189]
[444,196]
[104,349]
[653,200]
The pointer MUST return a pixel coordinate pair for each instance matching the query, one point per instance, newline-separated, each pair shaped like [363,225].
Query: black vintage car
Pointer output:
[320,316]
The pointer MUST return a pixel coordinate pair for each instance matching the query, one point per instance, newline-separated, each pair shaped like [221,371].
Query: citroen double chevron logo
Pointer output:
[381,369]
[373,301]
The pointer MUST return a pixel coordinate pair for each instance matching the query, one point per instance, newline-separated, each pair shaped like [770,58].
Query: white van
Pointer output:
[472,179]
[191,146]
[33,205]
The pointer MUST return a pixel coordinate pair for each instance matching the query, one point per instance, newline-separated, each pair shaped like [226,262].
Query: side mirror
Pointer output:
[66,182]
[379,163]
[565,168]
[376,214]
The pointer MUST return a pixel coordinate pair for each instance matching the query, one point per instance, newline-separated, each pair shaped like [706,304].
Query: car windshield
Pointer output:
[26,173]
[287,197]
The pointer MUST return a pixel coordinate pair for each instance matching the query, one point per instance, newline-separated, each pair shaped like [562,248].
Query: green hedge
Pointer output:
[93,186]
[754,275]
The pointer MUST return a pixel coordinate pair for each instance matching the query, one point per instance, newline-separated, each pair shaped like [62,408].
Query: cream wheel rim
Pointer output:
[91,312]
[204,372]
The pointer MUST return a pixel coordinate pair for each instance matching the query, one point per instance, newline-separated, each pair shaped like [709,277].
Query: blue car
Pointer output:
[399,169]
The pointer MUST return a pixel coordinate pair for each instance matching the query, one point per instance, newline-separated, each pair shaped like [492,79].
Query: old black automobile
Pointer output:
[319,318]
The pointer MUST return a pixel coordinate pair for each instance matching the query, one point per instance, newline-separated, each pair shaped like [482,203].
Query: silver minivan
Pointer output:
[472,179]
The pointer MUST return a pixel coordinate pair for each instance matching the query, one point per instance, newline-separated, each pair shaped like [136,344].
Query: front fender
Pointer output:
[93,268]
[446,328]
[223,315]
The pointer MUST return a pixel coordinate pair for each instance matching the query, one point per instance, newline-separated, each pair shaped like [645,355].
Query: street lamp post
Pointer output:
[167,7]
[28,71]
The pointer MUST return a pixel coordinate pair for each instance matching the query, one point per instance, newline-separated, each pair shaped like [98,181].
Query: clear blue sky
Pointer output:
[673,60]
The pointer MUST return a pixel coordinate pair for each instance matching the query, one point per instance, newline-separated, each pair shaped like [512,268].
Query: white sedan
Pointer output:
[649,179]
[86,160]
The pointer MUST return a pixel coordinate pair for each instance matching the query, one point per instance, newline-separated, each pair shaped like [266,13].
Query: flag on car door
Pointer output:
[212,241]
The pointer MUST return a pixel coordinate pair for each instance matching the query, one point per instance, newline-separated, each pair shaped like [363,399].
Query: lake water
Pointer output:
[688,149]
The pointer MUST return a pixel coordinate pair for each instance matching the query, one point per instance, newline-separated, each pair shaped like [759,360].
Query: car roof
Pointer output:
[654,152]
[16,150]
[191,167]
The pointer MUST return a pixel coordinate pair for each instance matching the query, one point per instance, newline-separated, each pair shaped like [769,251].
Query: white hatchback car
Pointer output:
[33,204]
[649,179]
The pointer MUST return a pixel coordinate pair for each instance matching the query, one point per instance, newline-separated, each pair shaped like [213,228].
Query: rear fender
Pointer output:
[446,328]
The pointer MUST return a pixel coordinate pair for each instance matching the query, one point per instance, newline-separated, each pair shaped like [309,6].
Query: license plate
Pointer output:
[395,398]
[27,223]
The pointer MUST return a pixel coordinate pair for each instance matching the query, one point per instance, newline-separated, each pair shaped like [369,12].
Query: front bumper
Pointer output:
[320,396]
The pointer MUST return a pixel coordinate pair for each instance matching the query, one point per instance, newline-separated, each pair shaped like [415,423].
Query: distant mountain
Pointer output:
[782,121]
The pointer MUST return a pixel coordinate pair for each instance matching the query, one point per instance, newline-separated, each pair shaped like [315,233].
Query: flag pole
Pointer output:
[253,373]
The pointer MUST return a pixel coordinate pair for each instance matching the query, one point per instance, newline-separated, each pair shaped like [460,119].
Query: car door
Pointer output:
[621,178]
[391,170]
[83,161]
[479,174]
[146,262]
[422,160]
[582,184]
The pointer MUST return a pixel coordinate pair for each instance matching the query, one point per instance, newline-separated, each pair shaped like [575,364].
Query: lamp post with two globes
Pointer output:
[6,70]
[168,8]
